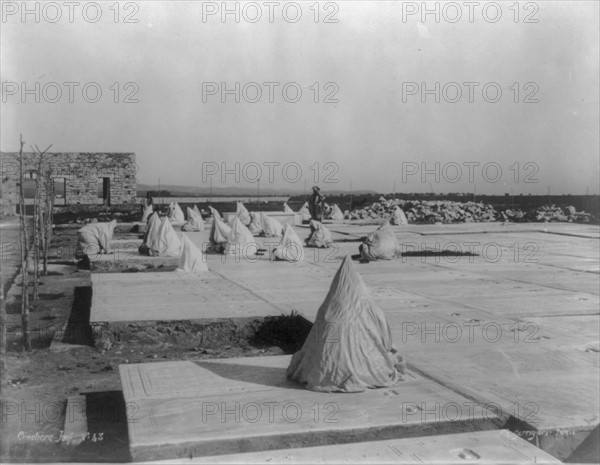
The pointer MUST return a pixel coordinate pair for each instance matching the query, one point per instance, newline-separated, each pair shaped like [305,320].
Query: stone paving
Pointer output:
[515,326]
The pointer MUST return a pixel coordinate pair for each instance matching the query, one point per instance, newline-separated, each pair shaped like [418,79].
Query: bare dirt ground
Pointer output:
[35,385]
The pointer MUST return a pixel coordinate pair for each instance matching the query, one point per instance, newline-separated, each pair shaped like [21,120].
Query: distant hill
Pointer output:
[190,191]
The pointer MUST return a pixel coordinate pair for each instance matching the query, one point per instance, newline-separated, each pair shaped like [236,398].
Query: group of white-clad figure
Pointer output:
[236,237]
[233,238]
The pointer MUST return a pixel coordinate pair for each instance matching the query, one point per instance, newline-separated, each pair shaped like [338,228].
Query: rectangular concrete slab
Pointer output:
[545,379]
[579,333]
[488,447]
[243,405]
[519,306]
[563,280]
[292,219]
[171,296]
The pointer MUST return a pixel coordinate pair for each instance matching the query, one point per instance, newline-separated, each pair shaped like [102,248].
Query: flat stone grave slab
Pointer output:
[580,334]
[357,231]
[506,227]
[564,280]
[519,306]
[214,407]
[299,287]
[172,296]
[284,218]
[539,372]
[500,446]
[592,232]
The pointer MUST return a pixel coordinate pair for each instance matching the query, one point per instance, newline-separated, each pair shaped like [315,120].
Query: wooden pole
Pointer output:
[49,216]
[258,195]
[36,239]
[351,193]
[44,218]
[24,256]
[42,225]
[2,324]
[36,233]
[304,191]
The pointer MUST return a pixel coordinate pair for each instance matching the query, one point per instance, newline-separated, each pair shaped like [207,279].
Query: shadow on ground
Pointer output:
[286,331]
[78,330]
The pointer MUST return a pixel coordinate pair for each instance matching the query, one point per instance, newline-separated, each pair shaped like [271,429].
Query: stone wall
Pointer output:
[82,173]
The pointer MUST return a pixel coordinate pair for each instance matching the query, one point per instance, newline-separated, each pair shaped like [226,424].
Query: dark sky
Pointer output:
[373,136]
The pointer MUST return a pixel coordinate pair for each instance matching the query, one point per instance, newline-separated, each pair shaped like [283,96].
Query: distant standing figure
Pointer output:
[147,201]
[316,204]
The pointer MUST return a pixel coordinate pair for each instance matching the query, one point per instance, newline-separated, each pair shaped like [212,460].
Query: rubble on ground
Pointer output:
[446,211]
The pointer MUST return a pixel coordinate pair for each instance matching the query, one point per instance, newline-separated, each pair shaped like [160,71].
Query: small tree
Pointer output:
[24,241]
[42,230]
[39,227]
[43,212]
[48,216]
[26,246]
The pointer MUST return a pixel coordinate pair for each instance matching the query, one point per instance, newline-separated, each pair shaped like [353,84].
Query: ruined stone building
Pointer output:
[77,178]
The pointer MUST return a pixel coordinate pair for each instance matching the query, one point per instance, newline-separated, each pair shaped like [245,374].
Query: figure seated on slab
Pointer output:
[148,210]
[255,226]
[305,212]
[176,215]
[336,214]
[219,233]
[381,244]
[151,235]
[327,209]
[290,247]
[194,222]
[286,208]
[320,236]
[271,227]
[240,241]
[349,348]
[398,216]
[214,213]
[94,238]
[191,259]
[243,214]
[167,243]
